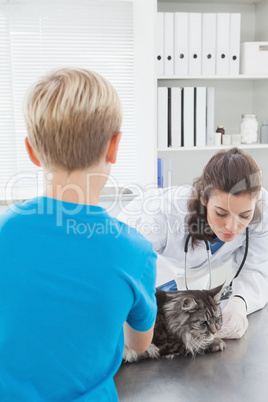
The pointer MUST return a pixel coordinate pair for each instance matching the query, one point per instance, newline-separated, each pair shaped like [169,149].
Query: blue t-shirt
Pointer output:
[70,276]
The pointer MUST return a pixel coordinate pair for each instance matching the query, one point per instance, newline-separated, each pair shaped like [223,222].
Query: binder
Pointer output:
[223,44]
[210,116]
[181,43]
[209,44]
[200,116]
[195,43]
[162,117]
[188,116]
[176,117]
[166,172]
[160,44]
[169,44]
[159,173]
[234,58]
[169,141]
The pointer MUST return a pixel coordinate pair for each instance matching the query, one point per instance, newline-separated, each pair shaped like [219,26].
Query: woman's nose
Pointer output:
[231,224]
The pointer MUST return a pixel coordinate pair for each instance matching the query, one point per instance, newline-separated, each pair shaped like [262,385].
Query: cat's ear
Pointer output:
[188,304]
[216,292]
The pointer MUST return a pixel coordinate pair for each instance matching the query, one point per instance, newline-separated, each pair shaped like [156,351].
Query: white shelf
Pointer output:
[214,148]
[211,1]
[214,77]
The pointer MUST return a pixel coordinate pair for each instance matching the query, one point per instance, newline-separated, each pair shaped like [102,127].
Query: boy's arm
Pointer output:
[137,340]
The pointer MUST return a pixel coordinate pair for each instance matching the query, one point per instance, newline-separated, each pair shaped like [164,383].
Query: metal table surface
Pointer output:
[238,374]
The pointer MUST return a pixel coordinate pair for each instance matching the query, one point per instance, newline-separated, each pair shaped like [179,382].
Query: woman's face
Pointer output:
[228,215]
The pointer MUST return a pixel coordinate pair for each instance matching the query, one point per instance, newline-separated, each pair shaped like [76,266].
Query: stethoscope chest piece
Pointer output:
[227,292]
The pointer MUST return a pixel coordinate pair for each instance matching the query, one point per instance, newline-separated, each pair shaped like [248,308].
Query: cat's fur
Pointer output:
[187,322]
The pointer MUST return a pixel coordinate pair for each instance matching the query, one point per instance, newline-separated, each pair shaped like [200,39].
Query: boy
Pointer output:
[71,276]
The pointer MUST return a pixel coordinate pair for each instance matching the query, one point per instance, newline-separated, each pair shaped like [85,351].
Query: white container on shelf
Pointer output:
[254,58]
[249,129]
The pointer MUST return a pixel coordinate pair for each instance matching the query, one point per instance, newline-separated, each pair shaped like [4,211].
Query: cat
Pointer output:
[187,322]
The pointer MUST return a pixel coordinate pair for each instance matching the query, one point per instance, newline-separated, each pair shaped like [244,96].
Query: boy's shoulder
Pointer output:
[131,237]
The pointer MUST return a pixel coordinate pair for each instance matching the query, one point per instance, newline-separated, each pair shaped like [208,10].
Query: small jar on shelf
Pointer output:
[249,129]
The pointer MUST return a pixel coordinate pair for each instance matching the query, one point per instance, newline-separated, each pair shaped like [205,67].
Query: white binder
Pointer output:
[223,44]
[195,43]
[209,44]
[169,44]
[188,116]
[160,44]
[167,172]
[200,116]
[162,118]
[234,61]
[210,115]
[181,43]
[176,117]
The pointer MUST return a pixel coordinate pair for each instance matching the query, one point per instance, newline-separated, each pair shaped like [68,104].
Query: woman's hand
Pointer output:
[234,319]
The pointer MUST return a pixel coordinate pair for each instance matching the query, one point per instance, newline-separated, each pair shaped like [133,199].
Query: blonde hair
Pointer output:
[71,114]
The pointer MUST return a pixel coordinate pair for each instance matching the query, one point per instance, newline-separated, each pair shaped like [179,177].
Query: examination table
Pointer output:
[238,374]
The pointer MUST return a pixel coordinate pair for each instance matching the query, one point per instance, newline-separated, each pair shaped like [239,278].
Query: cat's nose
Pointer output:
[213,329]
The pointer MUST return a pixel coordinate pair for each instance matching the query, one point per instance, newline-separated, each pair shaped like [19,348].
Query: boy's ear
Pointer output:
[111,153]
[31,153]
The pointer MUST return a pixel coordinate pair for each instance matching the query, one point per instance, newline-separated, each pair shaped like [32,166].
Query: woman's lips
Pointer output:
[228,235]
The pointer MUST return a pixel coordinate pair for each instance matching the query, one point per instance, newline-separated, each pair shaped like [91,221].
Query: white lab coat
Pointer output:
[161,216]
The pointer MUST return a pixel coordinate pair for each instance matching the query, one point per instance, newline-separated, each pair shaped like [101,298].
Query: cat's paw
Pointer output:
[217,345]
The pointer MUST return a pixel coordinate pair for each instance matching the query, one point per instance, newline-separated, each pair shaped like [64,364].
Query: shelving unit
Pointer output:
[213,77]
[234,95]
[246,147]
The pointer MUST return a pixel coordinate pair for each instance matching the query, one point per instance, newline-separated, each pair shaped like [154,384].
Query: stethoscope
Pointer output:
[227,290]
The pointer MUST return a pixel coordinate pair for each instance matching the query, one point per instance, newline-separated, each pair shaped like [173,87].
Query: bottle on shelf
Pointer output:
[264,133]
[220,129]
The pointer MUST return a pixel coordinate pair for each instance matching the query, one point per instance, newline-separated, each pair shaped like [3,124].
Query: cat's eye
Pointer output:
[203,322]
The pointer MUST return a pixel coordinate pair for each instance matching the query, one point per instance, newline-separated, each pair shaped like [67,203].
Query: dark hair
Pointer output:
[229,171]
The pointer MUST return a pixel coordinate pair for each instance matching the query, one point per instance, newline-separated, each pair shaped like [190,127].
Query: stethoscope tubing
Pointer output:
[209,262]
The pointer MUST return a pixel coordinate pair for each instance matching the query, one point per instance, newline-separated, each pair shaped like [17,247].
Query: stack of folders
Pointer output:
[198,44]
[185,117]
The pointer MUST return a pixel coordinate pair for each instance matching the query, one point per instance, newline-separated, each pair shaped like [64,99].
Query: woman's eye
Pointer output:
[244,217]
[221,215]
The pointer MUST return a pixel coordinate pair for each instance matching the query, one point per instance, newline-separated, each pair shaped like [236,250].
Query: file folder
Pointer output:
[223,44]
[200,116]
[209,44]
[210,116]
[181,43]
[176,117]
[188,116]
[162,117]
[195,43]
[234,61]
[169,44]
[160,44]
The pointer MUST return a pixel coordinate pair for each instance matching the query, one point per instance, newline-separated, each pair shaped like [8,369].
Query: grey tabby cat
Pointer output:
[187,322]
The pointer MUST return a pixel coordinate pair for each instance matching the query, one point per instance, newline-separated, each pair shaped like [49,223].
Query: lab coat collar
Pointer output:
[197,257]
[229,246]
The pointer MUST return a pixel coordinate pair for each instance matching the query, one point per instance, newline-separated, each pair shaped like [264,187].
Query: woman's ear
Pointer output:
[202,199]
[31,153]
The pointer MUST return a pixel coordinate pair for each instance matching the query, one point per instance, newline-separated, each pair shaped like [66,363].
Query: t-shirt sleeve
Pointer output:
[143,312]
